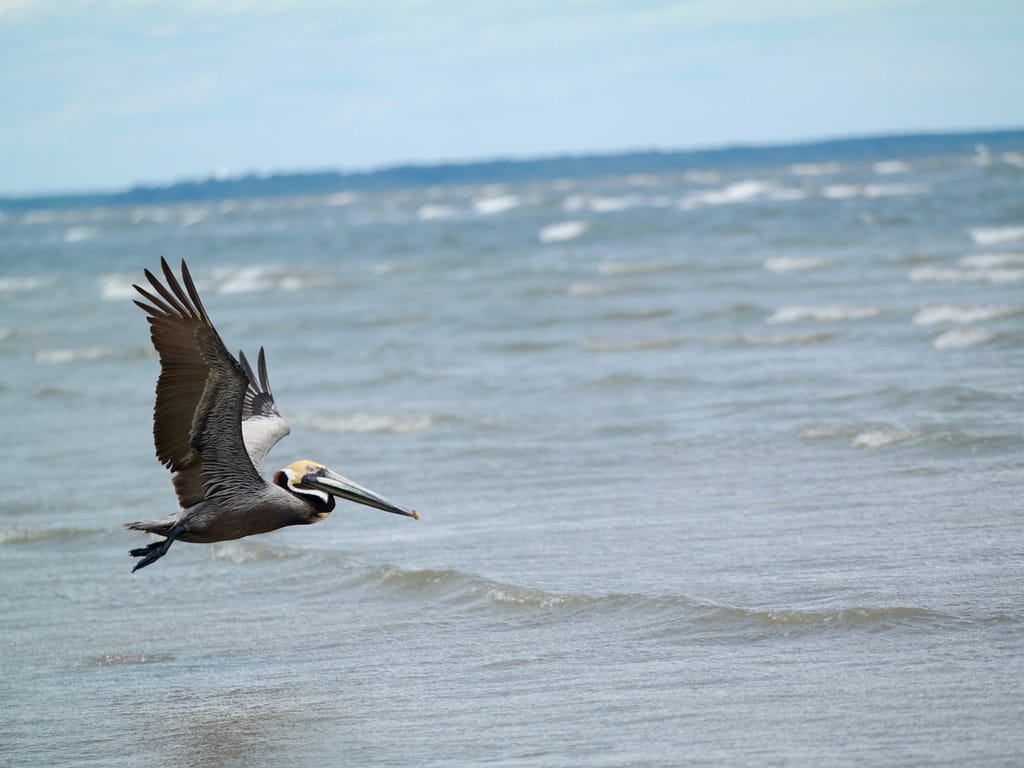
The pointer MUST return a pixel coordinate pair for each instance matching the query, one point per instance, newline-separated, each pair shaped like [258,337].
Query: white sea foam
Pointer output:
[949,275]
[433,211]
[39,217]
[840,191]
[611,204]
[71,355]
[562,231]
[995,235]
[16,284]
[814,169]
[364,423]
[961,338]
[845,191]
[860,435]
[341,198]
[822,314]
[1013,158]
[941,314]
[879,437]
[990,260]
[737,192]
[117,287]
[192,216]
[79,234]
[889,167]
[491,205]
[794,263]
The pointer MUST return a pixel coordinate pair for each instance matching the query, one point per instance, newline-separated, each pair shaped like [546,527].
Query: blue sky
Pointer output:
[101,95]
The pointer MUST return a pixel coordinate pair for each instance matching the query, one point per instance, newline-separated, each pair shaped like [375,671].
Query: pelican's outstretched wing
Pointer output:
[262,425]
[197,420]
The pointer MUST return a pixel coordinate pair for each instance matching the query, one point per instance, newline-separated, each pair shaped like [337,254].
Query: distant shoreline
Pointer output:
[284,184]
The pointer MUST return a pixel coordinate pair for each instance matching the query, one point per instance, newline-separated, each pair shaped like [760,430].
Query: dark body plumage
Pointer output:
[214,423]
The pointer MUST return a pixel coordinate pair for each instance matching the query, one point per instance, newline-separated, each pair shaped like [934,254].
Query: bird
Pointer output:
[214,422]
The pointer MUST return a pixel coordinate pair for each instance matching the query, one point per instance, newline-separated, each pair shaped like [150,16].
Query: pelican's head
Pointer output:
[317,485]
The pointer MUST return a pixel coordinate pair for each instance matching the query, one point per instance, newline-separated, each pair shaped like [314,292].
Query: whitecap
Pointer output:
[16,284]
[879,437]
[889,167]
[814,169]
[961,338]
[1013,158]
[840,191]
[71,355]
[946,313]
[737,192]
[257,278]
[433,211]
[364,423]
[192,216]
[116,287]
[794,263]
[79,234]
[612,204]
[562,231]
[39,217]
[489,206]
[795,314]
[995,235]
[574,203]
[947,275]
[990,260]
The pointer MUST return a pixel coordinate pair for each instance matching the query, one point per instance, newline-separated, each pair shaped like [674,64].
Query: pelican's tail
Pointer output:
[167,527]
[161,527]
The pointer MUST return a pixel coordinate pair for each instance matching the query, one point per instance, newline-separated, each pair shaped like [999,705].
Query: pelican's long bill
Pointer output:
[336,485]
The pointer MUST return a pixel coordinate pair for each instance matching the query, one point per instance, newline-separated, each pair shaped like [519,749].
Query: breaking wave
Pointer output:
[69,355]
[962,338]
[796,314]
[563,231]
[647,614]
[860,435]
[995,235]
[946,313]
[364,423]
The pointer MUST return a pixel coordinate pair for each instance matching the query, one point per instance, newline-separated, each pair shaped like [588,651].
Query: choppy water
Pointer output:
[715,469]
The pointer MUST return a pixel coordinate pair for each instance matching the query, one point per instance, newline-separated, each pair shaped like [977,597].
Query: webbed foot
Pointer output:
[156,550]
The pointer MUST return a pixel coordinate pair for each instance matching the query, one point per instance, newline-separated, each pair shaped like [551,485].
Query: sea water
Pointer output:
[714,468]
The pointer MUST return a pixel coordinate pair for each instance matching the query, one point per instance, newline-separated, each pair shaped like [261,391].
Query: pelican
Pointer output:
[214,423]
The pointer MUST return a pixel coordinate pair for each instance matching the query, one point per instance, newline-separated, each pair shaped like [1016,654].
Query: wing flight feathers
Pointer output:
[200,393]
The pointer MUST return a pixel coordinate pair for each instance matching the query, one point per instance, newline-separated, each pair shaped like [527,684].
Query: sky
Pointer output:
[99,96]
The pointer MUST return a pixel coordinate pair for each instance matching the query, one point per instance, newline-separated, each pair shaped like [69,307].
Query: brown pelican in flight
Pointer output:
[214,423]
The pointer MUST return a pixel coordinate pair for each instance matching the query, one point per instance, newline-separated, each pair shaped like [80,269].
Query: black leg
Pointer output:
[157,549]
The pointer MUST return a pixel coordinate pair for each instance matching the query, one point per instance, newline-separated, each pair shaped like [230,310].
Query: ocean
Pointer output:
[716,467]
